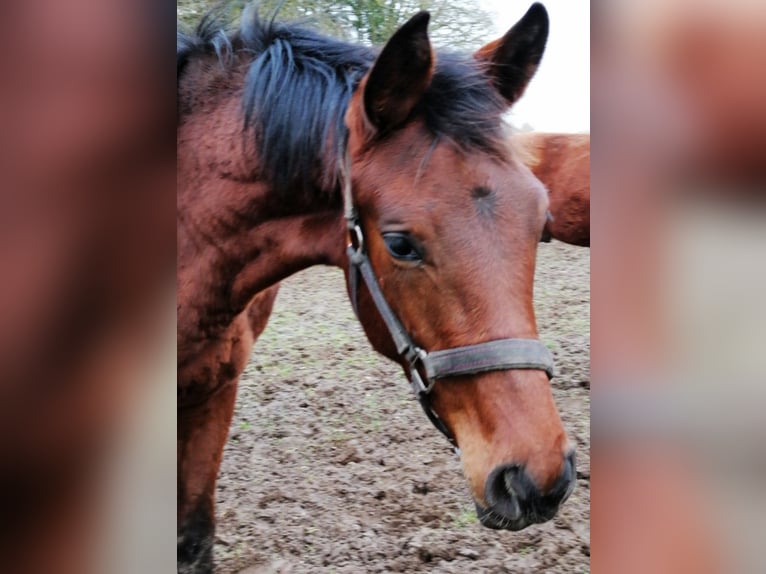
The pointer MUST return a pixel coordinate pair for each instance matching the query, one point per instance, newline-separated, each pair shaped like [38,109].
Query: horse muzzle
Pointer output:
[515,502]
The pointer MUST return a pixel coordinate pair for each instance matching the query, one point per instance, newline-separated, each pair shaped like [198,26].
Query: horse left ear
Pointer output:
[513,59]
[400,75]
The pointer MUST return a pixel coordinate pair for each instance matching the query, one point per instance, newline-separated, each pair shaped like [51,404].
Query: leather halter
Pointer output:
[496,355]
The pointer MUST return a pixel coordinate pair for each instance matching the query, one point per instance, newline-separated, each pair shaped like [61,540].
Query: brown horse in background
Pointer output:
[562,163]
[450,222]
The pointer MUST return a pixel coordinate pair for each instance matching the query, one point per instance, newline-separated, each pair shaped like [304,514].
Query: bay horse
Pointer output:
[295,149]
[562,163]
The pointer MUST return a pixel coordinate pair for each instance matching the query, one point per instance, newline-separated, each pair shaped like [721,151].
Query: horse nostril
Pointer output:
[547,504]
[506,492]
[569,476]
[508,479]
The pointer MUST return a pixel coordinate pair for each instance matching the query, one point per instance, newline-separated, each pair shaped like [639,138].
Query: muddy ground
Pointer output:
[331,466]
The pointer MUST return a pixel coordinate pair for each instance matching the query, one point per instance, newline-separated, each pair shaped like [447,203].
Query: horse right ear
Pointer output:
[513,59]
[399,76]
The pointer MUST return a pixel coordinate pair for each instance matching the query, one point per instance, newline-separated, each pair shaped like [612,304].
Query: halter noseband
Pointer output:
[497,355]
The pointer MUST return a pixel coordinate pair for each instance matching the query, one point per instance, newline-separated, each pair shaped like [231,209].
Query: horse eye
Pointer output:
[400,247]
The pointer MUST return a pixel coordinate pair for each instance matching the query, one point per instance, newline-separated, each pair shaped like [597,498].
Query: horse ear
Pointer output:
[513,59]
[400,75]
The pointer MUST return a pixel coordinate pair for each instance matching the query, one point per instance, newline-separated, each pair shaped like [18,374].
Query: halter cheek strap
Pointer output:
[497,355]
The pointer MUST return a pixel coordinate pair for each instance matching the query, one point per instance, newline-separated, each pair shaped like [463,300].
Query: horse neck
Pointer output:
[281,246]
[237,235]
[238,239]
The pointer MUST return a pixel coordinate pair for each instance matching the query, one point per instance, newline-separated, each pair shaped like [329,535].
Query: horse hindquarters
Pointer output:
[570,211]
[203,426]
[562,163]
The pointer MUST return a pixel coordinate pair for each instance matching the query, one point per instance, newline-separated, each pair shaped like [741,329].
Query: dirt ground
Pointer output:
[331,466]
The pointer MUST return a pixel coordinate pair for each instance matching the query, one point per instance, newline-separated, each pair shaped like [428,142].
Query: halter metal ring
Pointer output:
[356,237]
[418,386]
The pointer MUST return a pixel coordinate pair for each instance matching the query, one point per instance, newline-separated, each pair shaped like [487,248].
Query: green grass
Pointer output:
[466,518]
[552,346]
[525,550]
[339,436]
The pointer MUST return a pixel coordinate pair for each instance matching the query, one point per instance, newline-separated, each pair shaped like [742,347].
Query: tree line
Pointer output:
[459,25]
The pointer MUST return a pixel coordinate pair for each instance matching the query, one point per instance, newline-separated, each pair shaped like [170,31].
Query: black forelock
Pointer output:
[299,83]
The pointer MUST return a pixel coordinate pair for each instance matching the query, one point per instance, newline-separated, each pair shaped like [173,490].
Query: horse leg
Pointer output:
[202,431]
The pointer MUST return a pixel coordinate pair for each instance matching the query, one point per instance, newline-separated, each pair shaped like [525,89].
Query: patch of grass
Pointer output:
[371,401]
[552,346]
[376,425]
[339,436]
[581,324]
[239,549]
[284,369]
[525,550]
[466,518]
[270,426]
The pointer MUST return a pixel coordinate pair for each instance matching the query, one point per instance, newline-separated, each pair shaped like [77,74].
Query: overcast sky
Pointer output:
[558,97]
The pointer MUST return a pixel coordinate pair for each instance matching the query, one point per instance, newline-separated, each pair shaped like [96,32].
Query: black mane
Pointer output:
[299,83]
